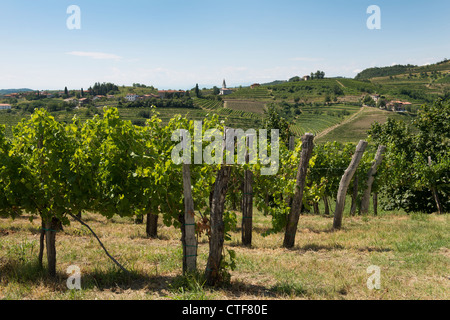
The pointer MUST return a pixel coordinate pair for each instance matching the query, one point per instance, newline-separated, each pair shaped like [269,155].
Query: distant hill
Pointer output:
[9,91]
[378,72]
[384,71]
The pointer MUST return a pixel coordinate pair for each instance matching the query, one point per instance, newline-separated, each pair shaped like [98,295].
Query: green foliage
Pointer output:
[45,149]
[384,71]
[227,264]
[410,176]
[103,89]
[274,121]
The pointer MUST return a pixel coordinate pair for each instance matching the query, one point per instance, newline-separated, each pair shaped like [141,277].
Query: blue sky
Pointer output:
[176,44]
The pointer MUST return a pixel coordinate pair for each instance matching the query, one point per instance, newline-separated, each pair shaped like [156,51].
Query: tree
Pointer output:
[319,74]
[369,101]
[13,180]
[275,121]
[46,151]
[381,103]
[66,92]
[415,183]
[197,91]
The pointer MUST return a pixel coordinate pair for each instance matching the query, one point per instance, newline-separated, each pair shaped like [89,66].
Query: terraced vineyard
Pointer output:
[260,93]
[356,128]
[245,105]
[208,104]
[235,117]
[315,120]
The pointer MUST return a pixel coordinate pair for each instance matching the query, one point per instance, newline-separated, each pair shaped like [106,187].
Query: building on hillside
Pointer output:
[224,91]
[71,100]
[11,95]
[375,97]
[131,97]
[83,101]
[97,97]
[306,78]
[4,106]
[255,85]
[398,106]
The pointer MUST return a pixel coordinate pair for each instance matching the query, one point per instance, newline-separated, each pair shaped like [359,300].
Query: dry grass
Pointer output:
[412,252]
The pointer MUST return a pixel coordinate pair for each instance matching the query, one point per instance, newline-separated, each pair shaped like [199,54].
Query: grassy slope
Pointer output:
[412,252]
[357,128]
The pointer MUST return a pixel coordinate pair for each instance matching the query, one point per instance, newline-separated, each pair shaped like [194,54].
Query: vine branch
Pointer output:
[101,244]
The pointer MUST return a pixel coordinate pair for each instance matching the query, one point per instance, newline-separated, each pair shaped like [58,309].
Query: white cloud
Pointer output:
[95,55]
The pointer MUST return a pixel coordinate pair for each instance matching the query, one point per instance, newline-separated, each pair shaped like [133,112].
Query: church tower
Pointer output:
[224,84]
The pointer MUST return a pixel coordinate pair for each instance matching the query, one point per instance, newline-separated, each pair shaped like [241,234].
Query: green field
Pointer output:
[356,129]
[316,119]
[411,251]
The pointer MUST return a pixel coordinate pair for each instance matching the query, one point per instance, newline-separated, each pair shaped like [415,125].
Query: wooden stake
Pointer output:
[370,179]
[294,215]
[345,181]
[247,212]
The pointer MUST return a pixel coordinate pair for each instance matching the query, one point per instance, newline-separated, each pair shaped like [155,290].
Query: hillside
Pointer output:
[415,84]
[9,91]
[318,106]
[395,70]
[355,128]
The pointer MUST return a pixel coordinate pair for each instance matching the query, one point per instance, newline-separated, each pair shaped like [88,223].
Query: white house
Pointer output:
[375,97]
[5,106]
[131,97]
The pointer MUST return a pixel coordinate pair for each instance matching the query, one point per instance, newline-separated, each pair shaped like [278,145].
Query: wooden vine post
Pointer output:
[292,143]
[345,181]
[435,193]
[354,197]
[52,226]
[217,236]
[375,203]
[294,215]
[370,179]
[247,206]
[151,226]
[188,226]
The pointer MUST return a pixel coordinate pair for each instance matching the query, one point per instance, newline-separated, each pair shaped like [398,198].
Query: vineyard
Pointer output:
[107,172]
[260,93]
[316,120]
